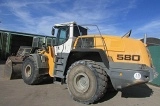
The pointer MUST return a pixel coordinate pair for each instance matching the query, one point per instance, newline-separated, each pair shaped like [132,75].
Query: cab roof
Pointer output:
[64,24]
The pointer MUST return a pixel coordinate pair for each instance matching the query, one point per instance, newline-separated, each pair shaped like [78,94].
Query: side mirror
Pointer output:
[53,31]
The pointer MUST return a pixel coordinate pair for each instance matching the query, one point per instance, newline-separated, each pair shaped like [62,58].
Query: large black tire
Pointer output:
[30,72]
[86,81]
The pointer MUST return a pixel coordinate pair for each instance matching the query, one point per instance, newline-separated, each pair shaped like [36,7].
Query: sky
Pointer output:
[115,17]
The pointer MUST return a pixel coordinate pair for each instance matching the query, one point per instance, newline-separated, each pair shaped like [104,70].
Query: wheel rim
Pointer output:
[28,71]
[81,82]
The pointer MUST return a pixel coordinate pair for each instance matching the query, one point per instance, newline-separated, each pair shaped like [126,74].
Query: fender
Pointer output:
[103,57]
[97,55]
[41,60]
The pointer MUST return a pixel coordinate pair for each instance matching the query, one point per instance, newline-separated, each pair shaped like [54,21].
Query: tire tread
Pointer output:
[101,76]
[36,79]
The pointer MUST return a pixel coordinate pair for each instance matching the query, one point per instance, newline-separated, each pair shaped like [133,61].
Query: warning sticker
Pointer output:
[137,76]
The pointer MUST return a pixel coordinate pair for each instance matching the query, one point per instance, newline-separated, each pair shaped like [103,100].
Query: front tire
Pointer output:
[30,72]
[86,81]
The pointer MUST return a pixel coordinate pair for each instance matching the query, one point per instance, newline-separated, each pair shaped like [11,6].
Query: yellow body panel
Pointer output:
[131,50]
[51,58]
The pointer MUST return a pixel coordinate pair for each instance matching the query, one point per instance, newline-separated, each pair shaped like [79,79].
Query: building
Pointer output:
[153,45]
[10,41]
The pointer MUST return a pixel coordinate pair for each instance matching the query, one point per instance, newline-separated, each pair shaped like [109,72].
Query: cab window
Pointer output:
[62,35]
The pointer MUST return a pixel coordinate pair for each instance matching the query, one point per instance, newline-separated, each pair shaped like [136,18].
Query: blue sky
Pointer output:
[114,17]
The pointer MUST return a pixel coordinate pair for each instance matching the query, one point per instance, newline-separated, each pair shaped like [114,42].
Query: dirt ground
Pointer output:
[17,93]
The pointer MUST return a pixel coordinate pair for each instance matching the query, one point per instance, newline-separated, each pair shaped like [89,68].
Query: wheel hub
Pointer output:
[28,71]
[81,82]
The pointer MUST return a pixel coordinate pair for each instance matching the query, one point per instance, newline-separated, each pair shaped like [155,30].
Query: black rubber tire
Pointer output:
[110,87]
[34,77]
[96,76]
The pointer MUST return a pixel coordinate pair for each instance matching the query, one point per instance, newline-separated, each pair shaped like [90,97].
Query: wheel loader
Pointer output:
[88,64]
[12,69]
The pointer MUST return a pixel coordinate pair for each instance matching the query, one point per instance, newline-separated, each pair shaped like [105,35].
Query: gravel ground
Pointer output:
[17,93]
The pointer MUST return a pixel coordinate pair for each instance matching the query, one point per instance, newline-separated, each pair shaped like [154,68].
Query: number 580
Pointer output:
[128,57]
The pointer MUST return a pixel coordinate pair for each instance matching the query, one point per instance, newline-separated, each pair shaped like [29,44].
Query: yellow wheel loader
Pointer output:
[90,63]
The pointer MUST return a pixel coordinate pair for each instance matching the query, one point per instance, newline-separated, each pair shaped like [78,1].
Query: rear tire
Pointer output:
[86,81]
[30,72]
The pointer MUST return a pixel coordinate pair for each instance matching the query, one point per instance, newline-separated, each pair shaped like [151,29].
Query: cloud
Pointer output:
[152,25]
[38,16]
[152,29]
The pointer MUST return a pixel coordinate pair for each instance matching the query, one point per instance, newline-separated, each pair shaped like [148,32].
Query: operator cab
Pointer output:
[66,33]
[68,30]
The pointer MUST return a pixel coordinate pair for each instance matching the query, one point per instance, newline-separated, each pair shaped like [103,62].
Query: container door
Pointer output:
[4,45]
[155,54]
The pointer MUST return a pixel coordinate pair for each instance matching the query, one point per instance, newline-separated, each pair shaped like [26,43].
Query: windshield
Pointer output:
[63,32]
[28,50]
[62,35]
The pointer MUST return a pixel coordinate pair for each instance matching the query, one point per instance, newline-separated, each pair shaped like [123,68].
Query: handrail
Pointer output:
[104,44]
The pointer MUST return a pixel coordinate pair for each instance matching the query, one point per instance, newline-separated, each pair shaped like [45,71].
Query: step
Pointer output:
[58,74]
[59,67]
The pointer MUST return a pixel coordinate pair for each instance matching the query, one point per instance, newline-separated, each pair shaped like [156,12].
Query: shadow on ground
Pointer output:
[140,91]
[107,96]
[2,62]
[46,81]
